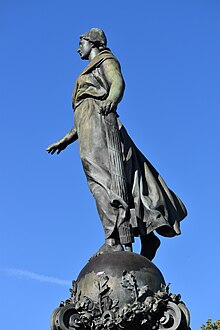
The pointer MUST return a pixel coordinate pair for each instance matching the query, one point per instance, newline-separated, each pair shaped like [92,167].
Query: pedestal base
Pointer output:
[120,290]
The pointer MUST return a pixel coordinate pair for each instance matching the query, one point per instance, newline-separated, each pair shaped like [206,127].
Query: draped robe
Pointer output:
[149,204]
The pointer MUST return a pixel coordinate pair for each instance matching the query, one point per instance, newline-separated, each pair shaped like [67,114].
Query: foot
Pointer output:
[128,247]
[149,245]
[107,248]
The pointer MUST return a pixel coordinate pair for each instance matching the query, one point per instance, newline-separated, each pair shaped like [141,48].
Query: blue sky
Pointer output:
[170,56]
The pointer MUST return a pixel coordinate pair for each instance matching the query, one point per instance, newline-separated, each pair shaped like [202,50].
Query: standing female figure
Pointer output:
[131,197]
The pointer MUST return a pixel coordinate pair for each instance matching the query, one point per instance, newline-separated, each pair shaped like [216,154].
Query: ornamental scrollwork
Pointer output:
[159,311]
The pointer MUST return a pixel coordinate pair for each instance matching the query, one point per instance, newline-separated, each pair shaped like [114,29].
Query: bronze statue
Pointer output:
[131,197]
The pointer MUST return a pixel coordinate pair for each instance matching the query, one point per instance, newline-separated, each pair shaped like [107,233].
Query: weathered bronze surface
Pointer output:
[118,289]
[131,197]
[128,294]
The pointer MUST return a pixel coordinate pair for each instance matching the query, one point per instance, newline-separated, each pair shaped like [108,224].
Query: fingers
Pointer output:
[53,148]
[103,109]
[107,107]
[49,150]
[53,151]
[112,107]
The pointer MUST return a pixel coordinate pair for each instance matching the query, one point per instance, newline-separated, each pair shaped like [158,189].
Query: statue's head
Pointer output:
[96,37]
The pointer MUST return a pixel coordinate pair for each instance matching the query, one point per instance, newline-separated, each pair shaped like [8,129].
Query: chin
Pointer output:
[84,57]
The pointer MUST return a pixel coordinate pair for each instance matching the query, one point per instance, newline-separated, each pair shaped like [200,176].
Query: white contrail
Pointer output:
[19,273]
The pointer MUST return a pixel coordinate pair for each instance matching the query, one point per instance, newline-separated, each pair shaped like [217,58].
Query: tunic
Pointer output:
[147,203]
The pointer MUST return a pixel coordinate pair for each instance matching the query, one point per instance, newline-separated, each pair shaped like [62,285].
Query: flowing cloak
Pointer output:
[152,205]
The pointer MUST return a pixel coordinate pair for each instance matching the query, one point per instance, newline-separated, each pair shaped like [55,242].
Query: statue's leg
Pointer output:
[125,232]
[149,245]
[108,215]
[128,247]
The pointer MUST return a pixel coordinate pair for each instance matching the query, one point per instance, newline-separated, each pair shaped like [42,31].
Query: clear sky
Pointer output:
[169,51]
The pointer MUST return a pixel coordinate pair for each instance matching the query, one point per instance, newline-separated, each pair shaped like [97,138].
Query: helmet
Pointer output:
[96,36]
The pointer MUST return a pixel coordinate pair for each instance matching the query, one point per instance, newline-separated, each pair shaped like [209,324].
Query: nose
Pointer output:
[78,50]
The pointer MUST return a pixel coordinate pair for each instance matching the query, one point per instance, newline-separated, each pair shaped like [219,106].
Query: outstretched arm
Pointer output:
[112,72]
[60,145]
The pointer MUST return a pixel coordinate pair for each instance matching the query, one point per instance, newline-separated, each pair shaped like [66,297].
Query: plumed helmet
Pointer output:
[96,36]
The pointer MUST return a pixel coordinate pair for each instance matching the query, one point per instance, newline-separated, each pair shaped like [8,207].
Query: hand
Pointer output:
[57,146]
[107,107]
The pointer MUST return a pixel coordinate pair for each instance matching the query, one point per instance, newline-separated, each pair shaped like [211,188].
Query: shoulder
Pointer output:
[110,61]
[106,55]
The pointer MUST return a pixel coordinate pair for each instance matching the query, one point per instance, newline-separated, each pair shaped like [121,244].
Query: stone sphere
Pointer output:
[116,270]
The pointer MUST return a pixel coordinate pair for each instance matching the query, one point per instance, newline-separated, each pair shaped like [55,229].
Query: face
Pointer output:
[84,49]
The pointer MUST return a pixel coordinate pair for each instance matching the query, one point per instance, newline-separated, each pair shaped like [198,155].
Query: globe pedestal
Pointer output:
[120,290]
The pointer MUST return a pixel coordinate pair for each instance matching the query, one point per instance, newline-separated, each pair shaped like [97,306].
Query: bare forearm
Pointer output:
[116,90]
[60,145]
[115,80]
[70,137]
